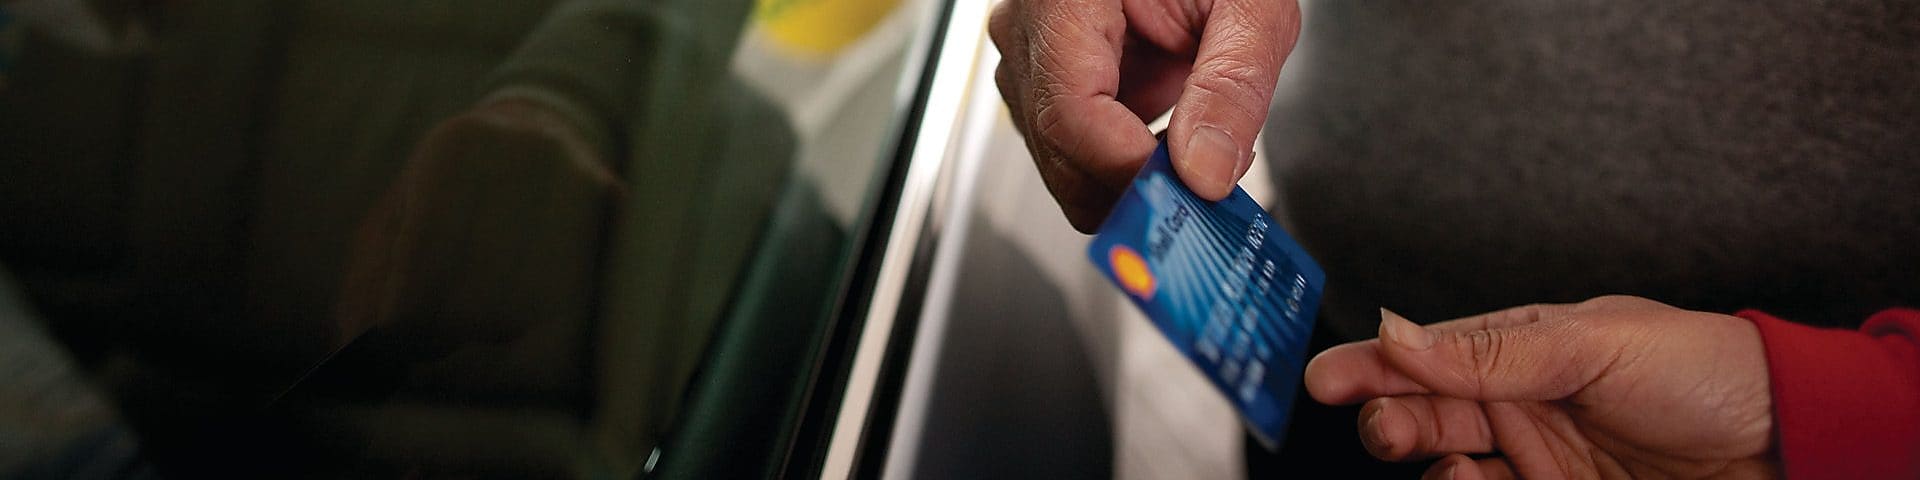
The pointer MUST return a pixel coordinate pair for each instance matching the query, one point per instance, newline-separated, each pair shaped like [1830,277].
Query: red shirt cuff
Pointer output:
[1846,404]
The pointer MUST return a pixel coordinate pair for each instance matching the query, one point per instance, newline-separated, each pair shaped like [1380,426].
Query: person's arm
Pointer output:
[1846,404]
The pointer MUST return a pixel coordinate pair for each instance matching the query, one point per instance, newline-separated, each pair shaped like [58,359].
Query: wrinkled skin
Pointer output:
[1083,77]
[1614,387]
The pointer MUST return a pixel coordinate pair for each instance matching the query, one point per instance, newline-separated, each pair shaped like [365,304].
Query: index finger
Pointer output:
[1076,123]
[1359,371]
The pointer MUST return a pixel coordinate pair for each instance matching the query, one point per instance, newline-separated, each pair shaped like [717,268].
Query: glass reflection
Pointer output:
[427,238]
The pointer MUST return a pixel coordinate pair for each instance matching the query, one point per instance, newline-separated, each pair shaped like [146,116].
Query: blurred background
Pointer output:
[432,238]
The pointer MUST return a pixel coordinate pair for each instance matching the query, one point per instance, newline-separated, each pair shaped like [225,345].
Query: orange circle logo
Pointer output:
[1131,271]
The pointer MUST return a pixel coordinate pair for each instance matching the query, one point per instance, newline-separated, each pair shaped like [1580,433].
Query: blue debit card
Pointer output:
[1222,281]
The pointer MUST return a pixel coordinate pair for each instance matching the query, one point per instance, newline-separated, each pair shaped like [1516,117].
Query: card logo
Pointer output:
[1131,271]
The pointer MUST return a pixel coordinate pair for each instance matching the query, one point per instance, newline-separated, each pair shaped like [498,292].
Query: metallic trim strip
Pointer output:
[939,125]
[967,157]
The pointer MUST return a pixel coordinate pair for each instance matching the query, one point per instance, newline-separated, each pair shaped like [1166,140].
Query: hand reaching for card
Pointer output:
[1613,387]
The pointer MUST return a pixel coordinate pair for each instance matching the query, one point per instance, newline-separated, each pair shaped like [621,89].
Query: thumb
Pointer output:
[1225,100]
[1532,362]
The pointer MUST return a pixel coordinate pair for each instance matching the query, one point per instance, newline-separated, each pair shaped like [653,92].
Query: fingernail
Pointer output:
[1371,434]
[1212,154]
[1395,328]
[1453,472]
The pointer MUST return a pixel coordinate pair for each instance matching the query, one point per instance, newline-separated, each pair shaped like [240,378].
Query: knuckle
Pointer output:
[1054,131]
[1431,439]
[1055,170]
[1236,85]
[1535,307]
[1529,313]
[1610,300]
[1240,73]
[1616,303]
[1002,24]
[1289,14]
[1484,349]
[1049,119]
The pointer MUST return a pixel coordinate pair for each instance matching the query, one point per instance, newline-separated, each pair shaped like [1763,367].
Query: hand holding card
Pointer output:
[1232,291]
